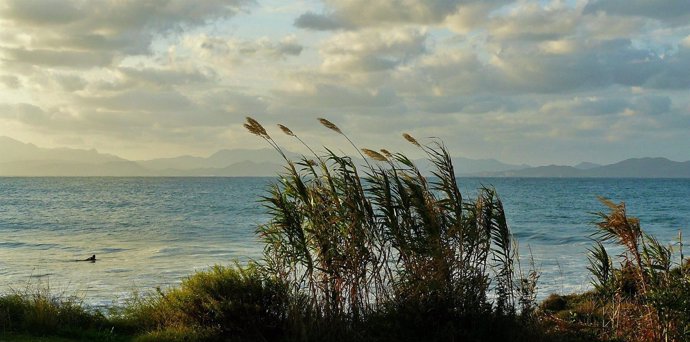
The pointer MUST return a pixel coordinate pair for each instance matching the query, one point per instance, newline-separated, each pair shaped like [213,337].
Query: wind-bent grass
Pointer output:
[38,312]
[356,240]
[379,252]
[643,296]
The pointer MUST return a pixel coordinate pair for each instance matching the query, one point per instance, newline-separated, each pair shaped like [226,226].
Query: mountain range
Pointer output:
[23,159]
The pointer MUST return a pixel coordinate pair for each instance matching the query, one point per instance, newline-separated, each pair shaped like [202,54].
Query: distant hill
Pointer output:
[34,168]
[643,168]
[586,166]
[629,168]
[22,159]
[218,160]
[12,150]
[466,166]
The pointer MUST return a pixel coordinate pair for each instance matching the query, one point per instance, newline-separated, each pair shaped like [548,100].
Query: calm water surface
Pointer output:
[149,232]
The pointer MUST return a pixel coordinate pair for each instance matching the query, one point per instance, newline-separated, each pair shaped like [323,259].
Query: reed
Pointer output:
[355,240]
[646,298]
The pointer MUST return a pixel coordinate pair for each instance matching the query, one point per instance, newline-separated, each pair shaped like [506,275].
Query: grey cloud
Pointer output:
[587,106]
[319,22]
[39,118]
[373,50]
[230,103]
[471,105]
[653,104]
[94,33]
[139,111]
[40,12]
[331,95]
[289,48]
[366,13]
[166,77]
[57,58]
[532,22]
[10,81]
[672,72]
[667,9]
[263,47]
[23,112]
[140,100]
[594,65]
[451,74]
[70,82]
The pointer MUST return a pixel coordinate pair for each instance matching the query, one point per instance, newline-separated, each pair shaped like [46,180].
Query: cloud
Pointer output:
[57,58]
[238,51]
[10,81]
[512,75]
[92,34]
[652,104]
[372,49]
[532,21]
[669,10]
[346,14]
[330,96]
[319,22]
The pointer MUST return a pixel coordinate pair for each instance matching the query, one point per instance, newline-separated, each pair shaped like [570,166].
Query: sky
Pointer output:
[536,82]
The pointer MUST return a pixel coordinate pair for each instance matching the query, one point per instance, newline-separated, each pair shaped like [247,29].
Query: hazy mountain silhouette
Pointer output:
[220,159]
[586,165]
[629,168]
[22,159]
[12,150]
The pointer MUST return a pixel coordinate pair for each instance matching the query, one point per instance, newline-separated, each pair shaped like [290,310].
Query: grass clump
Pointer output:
[646,297]
[40,313]
[361,244]
[229,303]
[640,295]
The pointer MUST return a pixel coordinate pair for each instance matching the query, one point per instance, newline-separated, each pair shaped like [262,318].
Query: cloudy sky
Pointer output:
[522,81]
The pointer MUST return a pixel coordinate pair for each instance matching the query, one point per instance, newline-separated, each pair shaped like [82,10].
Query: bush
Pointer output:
[649,299]
[236,302]
[360,242]
[39,313]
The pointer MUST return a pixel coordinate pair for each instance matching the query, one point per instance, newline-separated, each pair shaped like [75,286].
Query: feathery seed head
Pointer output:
[255,128]
[330,125]
[286,130]
[252,129]
[386,153]
[411,139]
[374,155]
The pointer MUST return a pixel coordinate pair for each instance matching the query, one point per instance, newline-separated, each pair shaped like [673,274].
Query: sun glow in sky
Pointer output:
[521,81]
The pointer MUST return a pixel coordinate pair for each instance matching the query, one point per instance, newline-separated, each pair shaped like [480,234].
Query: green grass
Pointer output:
[378,252]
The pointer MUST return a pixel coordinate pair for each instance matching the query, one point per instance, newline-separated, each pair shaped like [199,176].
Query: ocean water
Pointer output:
[153,232]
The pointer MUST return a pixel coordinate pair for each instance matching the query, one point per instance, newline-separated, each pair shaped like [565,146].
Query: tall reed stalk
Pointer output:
[353,238]
[648,299]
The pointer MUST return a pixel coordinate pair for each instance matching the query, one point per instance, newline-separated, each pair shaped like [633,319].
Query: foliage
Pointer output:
[646,298]
[38,312]
[223,301]
[358,240]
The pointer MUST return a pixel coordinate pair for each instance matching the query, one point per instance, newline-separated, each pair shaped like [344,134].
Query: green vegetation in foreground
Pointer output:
[384,254]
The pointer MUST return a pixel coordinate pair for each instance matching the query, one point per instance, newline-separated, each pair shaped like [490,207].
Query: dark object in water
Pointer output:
[91,259]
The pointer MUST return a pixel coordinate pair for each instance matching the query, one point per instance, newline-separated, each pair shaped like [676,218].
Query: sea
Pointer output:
[150,233]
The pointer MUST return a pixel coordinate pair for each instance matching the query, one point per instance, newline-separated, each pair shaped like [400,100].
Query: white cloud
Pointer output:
[372,50]
[513,75]
[349,14]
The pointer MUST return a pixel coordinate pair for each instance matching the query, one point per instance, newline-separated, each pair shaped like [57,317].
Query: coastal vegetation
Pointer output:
[376,251]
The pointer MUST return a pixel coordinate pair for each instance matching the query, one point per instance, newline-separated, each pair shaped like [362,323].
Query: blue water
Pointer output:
[150,232]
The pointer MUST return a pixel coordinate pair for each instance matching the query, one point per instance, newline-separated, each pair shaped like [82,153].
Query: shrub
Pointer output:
[649,300]
[234,302]
[38,312]
[357,241]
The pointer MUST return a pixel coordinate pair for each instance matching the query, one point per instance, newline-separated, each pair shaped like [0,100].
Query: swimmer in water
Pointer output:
[91,259]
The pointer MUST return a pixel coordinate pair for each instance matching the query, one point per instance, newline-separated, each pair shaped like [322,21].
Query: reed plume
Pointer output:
[353,244]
